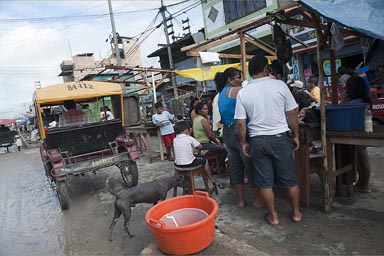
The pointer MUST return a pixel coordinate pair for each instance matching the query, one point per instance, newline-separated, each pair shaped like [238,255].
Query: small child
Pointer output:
[18,142]
[184,144]
[163,120]
[106,114]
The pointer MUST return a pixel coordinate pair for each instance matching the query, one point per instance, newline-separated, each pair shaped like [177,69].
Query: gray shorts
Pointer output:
[272,157]
[199,160]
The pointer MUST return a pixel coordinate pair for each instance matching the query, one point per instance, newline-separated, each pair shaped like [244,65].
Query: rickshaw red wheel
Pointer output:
[129,173]
[62,194]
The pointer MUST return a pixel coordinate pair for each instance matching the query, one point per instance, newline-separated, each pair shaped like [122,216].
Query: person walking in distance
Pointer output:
[18,142]
[273,135]
[163,120]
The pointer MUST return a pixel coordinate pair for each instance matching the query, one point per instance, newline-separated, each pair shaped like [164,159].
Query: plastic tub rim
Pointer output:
[186,227]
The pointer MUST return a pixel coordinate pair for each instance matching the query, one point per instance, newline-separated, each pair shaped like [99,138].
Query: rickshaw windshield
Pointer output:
[99,101]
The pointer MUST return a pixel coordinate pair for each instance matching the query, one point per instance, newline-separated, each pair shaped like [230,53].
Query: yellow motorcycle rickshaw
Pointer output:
[98,143]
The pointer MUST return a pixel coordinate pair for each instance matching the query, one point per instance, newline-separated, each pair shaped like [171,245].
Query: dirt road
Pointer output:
[31,222]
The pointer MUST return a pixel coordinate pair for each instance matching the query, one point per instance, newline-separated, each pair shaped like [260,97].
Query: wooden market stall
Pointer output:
[301,14]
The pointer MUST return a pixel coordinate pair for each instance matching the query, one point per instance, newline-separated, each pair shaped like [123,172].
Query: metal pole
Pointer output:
[171,66]
[115,42]
[153,88]
[118,61]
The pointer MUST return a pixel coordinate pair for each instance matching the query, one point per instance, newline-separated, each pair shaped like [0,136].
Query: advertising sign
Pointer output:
[327,66]
[295,65]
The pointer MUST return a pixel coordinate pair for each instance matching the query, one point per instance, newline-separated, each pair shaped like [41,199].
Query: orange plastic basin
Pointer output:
[185,239]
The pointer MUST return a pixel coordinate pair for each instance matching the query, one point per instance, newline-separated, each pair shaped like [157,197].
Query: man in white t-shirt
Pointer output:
[270,107]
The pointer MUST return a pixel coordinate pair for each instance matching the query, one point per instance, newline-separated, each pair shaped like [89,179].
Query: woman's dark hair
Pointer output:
[199,106]
[192,104]
[193,101]
[357,89]
[221,78]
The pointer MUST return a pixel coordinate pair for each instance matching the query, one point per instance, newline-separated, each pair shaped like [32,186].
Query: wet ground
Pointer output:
[31,222]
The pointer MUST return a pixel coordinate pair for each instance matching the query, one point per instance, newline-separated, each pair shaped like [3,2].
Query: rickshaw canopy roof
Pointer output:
[78,91]
[7,121]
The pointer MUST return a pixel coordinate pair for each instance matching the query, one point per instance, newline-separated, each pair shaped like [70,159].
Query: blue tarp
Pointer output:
[365,16]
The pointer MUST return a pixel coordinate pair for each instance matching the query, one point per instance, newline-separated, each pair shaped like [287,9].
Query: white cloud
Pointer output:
[32,49]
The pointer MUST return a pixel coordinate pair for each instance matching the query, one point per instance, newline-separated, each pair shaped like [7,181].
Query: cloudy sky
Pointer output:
[36,36]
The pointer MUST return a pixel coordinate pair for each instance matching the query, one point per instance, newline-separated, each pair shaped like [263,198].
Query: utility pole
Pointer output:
[117,52]
[171,66]
[115,42]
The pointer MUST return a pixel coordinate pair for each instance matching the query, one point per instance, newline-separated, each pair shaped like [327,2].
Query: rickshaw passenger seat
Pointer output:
[84,139]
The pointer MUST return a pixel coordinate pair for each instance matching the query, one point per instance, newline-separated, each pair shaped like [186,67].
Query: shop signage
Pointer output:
[307,36]
[327,66]
[295,65]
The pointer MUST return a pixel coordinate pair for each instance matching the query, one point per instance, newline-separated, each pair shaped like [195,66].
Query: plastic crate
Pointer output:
[345,117]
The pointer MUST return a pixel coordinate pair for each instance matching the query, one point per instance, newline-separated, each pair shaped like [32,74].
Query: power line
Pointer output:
[71,17]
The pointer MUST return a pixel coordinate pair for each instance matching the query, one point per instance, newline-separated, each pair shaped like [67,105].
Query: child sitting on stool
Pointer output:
[184,144]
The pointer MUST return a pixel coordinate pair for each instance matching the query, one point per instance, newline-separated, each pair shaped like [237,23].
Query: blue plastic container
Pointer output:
[345,117]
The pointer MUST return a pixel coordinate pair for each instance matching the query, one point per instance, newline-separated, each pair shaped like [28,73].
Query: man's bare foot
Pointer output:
[258,204]
[297,217]
[271,220]
[240,204]
[361,189]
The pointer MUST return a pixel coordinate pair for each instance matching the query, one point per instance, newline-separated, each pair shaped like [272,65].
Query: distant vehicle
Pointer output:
[378,110]
[77,149]
[7,137]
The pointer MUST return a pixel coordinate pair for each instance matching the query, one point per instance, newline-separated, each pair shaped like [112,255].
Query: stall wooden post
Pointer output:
[243,56]
[325,177]
[335,94]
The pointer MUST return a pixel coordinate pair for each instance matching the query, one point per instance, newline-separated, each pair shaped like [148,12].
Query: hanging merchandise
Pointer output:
[283,46]
[337,40]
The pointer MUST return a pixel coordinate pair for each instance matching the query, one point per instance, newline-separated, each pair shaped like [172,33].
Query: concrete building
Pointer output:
[85,64]
[219,16]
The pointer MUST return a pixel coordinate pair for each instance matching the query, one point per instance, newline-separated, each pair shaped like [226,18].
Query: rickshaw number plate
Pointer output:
[103,161]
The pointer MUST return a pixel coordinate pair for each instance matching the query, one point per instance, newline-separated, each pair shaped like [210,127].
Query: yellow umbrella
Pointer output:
[201,75]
